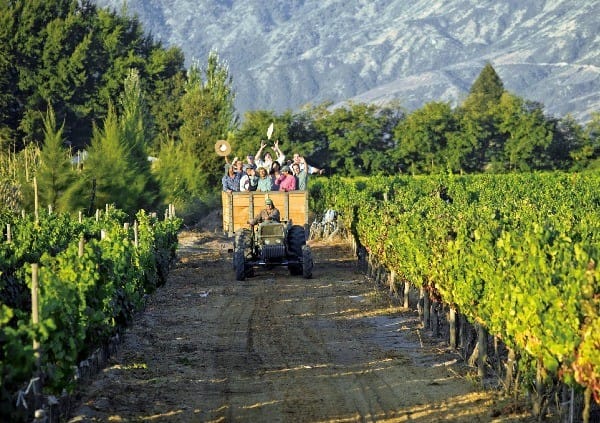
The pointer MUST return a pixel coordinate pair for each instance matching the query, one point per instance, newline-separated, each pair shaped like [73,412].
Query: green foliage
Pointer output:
[76,56]
[16,357]
[117,170]
[107,177]
[207,113]
[516,253]
[254,129]
[356,139]
[165,74]
[55,172]
[528,134]
[485,92]
[427,140]
[83,298]
[136,127]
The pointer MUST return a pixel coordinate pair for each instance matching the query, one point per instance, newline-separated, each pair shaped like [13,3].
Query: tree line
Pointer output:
[75,78]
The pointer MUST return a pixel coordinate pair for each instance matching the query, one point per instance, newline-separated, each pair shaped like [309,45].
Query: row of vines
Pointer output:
[516,254]
[92,273]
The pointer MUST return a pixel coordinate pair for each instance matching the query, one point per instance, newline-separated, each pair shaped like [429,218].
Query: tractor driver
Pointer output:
[269,214]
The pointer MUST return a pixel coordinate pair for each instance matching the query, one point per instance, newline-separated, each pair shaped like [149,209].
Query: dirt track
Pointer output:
[278,348]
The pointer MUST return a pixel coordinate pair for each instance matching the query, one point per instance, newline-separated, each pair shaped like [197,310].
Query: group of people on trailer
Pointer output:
[262,173]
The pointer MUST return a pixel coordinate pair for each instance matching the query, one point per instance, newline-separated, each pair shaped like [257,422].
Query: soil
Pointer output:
[280,348]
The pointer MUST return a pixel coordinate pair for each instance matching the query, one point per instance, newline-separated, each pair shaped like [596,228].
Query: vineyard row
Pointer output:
[515,254]
[91,275]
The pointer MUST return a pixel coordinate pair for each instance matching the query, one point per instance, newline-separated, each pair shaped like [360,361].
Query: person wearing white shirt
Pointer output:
[267,162]
[249,180]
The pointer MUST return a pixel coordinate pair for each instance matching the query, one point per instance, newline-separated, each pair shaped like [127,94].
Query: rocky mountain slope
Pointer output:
[285,54]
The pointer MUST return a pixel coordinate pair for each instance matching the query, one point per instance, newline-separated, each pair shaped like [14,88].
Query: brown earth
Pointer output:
[280,348]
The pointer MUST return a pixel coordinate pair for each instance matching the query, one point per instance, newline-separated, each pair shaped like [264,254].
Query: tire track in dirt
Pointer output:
[277,348]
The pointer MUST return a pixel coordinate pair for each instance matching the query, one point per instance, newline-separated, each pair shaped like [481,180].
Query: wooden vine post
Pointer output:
[482,340]
[392,283]
[35,314]
[426,308]
[35,200]
[453,340]
[435,317]
[406,294]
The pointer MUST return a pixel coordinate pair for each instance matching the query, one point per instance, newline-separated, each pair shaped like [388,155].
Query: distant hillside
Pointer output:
[283,55]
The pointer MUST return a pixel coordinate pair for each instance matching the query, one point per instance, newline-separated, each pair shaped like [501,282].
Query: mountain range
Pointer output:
[285,54]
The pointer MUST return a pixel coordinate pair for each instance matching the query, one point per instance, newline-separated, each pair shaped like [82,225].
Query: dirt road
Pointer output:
[278,348]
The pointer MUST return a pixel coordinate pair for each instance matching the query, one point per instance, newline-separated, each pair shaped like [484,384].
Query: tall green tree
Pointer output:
[426,140]
[136,129]
[479,118]
[486,91]
[569,143]
[55,172]
[8,76]
[175,173]
[165,74]
[135,121]
[76,55]
[208,114]
[107,176]
[528,133]
[356,139]
[305,138]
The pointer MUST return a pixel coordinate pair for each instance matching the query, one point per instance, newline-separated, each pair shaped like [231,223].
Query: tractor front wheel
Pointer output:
[241,243]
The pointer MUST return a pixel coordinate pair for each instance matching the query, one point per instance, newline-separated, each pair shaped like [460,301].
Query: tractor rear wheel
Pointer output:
[296,239]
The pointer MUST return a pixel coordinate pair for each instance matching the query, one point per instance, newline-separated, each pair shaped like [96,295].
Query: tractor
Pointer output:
[270,244]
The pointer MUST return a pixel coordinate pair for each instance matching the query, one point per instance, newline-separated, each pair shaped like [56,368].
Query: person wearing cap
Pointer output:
[231,179]
[286,180]
[269,214]
[249,180]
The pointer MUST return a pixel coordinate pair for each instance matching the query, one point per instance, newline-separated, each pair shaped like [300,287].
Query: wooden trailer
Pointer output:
[238,207]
